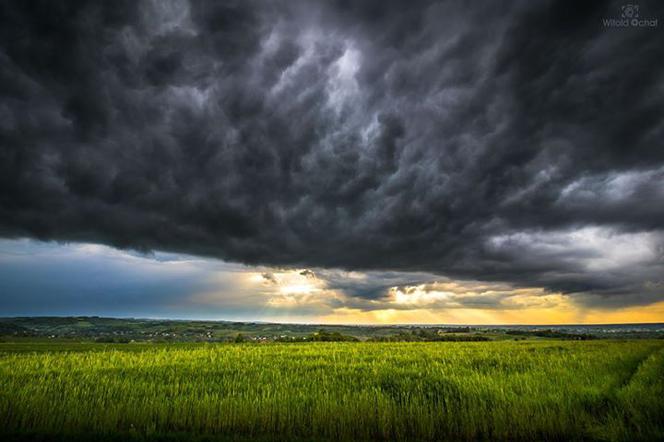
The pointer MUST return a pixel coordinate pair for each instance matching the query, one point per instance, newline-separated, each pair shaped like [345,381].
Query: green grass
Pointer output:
[529,390]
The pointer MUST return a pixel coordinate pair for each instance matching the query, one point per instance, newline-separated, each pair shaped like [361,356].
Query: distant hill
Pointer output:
[131,329]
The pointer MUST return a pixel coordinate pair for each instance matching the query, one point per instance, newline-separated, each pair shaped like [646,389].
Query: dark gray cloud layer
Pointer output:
[484,141]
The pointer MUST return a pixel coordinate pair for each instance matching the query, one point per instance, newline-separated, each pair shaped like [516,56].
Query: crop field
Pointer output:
[526,390]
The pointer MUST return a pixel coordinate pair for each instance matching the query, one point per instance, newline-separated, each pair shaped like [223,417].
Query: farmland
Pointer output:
[507,390]
[124,330]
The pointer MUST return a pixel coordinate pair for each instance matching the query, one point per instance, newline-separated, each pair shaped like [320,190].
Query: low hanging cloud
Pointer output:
[516,144]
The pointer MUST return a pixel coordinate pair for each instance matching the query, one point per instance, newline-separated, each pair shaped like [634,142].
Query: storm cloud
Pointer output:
[516,143]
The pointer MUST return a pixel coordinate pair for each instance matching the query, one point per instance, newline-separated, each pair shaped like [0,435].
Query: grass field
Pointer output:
[527,390]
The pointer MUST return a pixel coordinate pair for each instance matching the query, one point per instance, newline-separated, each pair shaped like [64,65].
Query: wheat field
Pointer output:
[546,390]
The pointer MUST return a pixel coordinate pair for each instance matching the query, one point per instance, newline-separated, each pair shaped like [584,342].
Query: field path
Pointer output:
[637,368]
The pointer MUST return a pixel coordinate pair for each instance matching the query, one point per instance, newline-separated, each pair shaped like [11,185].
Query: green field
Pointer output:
[526,390]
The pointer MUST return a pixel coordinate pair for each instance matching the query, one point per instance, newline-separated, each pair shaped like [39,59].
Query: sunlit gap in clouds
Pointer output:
[40,278]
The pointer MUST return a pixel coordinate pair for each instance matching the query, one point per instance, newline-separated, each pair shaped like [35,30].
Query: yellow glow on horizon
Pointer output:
[303,296]
[528,316]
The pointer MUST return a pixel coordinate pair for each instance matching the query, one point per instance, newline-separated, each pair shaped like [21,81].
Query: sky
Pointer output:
[333,161]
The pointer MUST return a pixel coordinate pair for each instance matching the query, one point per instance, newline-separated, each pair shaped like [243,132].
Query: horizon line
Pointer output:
[403,324]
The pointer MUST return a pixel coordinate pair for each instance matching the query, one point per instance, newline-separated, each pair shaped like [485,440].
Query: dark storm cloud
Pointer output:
[465,140]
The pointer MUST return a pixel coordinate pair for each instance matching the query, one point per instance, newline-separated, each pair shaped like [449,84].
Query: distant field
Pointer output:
[526,390]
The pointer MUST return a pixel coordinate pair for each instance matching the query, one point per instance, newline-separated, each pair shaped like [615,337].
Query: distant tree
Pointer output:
[326,336]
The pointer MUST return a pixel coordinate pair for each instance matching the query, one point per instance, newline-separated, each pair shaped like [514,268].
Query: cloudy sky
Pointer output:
[333,161]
